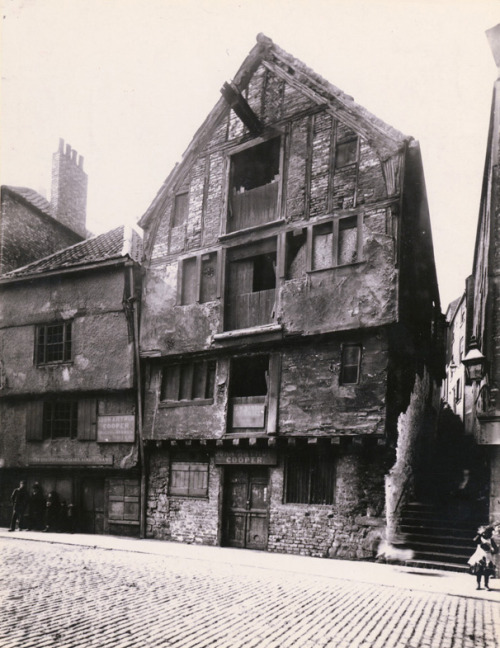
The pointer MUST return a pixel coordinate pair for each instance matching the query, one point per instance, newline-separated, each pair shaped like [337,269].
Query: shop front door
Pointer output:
[245,511]
[92,505]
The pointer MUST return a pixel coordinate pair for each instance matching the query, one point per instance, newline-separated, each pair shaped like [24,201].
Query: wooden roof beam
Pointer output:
[240,106]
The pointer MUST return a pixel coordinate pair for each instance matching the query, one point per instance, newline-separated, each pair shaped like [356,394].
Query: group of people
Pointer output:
[33,510]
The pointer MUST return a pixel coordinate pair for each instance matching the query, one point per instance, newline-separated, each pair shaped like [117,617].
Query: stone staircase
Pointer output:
[439,539]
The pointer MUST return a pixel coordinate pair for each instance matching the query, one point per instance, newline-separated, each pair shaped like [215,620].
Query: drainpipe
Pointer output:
[137,364]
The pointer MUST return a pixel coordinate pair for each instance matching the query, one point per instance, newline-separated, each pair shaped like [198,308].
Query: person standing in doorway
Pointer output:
[19,499]
[37,507]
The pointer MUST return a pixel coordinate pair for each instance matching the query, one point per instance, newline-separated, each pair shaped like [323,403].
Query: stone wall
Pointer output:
[181,519]
[351,528]
[27,235]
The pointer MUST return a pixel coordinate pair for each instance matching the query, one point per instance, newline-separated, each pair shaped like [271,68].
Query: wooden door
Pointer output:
[245,514]
[92,505]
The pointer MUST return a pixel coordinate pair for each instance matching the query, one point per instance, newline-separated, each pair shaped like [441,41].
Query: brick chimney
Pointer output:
[69,189]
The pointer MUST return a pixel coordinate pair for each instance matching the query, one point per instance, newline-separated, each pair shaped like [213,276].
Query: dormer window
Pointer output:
[254,185]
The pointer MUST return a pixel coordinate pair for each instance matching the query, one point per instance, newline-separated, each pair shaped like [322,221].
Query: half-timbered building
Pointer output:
[291,315]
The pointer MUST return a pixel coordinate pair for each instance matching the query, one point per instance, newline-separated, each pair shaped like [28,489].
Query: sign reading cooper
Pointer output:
[116,429]
[246,457]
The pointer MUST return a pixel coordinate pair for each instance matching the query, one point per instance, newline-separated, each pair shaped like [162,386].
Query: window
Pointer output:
[336,243]
[458,391]
[253,185]
[180,209]
[346,153]
[189,476]
[251,285]
[193,381]
[52,419]
[253,393]
[60,419]
[198,279]
[53,343]
[310,478]
[350,364]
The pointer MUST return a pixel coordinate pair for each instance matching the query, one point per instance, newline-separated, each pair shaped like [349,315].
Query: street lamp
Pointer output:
[474,362]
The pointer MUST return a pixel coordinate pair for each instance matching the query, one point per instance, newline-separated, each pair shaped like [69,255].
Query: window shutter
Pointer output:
[34,421]
[87,419]
[273,393]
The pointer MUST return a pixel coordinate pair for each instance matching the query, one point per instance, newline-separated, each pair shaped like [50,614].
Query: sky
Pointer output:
[128,82]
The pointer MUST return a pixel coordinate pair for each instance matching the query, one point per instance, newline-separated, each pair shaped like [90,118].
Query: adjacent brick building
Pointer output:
[31,227]
[68,381]
[291,316]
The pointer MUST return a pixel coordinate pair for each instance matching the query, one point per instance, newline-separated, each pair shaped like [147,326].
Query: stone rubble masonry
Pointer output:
[342,530]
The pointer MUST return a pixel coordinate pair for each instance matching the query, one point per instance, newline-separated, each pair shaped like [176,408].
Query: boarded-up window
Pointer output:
[346,153]
[87,419]
[124,501]
[323,256]
[348,241]
[251,285]
[198,279]
[189,293]
[208,279]
[335,243]
[53,343]
[34,421]
[310,478]
[350,364]
[189,478]
[188,381]
[254,392]
[254,185]
[180,209]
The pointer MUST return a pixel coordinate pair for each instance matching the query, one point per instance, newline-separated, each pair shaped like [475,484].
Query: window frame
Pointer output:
[40,352]
[198,288]
[336,225]
[312,463]
[175,211]
[190,490]
[246,146]
[49,418]
[344,366]
[210,371]
[345,142]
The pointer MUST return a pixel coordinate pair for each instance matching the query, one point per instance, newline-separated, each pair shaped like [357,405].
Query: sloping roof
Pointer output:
[32,197]
[115,244]
[384,138]
[453,306]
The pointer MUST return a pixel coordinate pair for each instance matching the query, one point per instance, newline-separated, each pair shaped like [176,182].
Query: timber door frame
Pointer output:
[247,512]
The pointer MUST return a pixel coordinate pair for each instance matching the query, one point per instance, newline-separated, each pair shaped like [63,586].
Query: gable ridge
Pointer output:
[384,138]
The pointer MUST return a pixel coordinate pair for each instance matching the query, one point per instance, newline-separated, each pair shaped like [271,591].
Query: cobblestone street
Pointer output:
[64,596]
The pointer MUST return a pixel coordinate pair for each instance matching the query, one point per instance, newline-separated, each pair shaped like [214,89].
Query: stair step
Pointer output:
[436,564]
[442,556]
[418,545]
[464,543]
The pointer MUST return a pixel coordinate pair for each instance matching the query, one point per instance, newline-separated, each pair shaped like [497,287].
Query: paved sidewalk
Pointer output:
[411,578]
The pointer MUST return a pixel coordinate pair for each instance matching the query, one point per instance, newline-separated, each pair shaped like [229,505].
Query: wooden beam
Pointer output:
[240,106]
